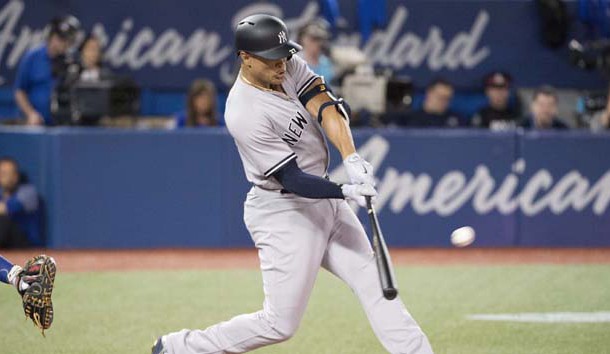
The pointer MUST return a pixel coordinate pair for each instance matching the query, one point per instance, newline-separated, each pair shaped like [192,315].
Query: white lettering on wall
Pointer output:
[454,190]
[137,45]
[9,16]
[385,47]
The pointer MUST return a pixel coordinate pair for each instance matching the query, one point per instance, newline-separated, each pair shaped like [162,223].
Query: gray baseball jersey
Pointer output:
[271,128]
[295,236]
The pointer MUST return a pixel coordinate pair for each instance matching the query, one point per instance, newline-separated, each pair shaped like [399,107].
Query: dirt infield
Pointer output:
[109,260]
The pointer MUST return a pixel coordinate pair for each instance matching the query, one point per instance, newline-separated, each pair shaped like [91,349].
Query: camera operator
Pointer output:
[41,68]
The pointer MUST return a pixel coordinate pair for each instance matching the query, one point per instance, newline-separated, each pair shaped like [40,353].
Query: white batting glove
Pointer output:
[358,170]
[358,192]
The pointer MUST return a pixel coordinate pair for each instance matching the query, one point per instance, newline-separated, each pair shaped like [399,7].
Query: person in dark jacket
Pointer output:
[498,114]
[435,111]
[543,111]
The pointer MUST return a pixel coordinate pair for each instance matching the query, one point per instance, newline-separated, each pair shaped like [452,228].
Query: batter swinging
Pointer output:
[280,115]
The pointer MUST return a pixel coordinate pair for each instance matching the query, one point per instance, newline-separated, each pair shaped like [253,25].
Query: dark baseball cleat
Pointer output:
[158,347]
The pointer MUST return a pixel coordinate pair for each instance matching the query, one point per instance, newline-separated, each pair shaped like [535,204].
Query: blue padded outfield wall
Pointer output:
[108,188]
[459,39]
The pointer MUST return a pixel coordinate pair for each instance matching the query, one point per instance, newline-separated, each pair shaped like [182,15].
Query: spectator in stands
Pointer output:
[91,66]
[435,111]
[314,38]
[19,216]
[544,110]
[40,68]
[601,120]
[498,114]
[200,106]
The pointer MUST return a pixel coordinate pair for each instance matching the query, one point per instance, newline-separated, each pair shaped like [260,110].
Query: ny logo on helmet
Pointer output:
[282,37]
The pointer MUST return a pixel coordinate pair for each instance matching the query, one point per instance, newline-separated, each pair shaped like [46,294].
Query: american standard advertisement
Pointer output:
[460,40]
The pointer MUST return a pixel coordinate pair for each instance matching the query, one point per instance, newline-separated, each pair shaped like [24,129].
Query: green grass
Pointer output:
[123,312]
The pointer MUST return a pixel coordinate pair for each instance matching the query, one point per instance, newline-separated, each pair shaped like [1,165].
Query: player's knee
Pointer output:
[285,327]
[283,334]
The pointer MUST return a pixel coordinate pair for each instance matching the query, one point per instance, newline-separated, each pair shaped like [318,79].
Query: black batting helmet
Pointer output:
[265,36]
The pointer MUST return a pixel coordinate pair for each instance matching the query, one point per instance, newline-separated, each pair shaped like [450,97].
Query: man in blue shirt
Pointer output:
[38,71]
[19,209]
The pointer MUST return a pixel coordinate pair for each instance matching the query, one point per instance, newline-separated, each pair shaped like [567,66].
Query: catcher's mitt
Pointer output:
[35,287]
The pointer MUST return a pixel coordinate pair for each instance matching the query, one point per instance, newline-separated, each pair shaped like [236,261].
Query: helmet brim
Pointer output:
[285,50]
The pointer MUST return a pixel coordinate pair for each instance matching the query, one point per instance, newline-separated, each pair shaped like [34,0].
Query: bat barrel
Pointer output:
[382,255]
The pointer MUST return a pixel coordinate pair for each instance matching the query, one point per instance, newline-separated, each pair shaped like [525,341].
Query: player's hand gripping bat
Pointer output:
[384,263]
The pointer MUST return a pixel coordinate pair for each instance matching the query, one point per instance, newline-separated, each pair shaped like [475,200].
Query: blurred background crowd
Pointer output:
[65,80]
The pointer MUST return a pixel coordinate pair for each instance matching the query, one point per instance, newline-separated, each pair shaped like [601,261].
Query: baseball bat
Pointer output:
[382,255]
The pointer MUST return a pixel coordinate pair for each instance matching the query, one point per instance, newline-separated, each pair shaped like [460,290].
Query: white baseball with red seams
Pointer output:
[463,236]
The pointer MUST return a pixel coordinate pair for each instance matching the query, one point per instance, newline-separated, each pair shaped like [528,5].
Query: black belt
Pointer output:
[285,191]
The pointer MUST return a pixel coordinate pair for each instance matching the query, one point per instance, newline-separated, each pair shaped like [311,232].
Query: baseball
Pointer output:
[463,236]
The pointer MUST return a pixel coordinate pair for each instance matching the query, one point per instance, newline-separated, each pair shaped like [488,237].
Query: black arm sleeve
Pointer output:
[294,180]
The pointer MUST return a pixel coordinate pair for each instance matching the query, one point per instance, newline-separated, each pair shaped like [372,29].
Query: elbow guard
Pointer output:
[340,105]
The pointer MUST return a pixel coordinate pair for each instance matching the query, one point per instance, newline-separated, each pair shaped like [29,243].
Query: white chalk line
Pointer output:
[545,317]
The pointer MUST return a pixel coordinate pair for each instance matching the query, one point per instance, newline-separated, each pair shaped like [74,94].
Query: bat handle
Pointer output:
[369,203]
[390,293]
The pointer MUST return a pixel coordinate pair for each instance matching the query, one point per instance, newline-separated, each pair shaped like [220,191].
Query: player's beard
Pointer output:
[277,79]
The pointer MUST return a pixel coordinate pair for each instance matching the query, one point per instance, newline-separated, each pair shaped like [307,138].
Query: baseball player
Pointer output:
[34,282]
[280,114]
